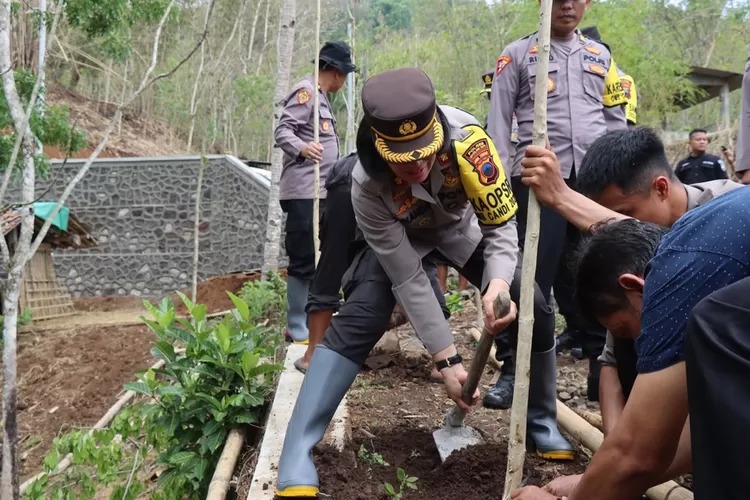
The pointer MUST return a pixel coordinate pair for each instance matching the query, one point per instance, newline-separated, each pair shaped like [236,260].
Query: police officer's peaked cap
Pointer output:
[591,32]
[487,81]
[339,55]
[400,108]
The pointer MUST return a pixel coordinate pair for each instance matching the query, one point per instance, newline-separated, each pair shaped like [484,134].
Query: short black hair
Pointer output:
[611,250]
[626,158]
[697,131]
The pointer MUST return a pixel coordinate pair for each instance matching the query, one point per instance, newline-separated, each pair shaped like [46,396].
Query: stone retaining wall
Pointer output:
[141,212]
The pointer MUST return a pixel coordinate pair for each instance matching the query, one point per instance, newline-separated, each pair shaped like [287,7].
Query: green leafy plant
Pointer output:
[52,129]
[98,459]
[455,302]
[371,457]
[221,381]
[405,482]
[217,375]
[266,298]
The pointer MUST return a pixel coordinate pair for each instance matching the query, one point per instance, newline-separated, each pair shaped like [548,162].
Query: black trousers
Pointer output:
[557,242]
[363,318]
[337,249]
[299,237]
[717,352]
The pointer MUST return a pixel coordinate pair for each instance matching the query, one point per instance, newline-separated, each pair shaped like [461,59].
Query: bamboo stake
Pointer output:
[316,135]
[196,228]
[219,486]
[517,438]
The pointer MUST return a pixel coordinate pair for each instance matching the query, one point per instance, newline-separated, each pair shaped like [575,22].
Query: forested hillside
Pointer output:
[221,99]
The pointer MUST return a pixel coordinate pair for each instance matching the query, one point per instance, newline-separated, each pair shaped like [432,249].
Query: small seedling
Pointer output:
[404,482]
[371,457]
[455,302]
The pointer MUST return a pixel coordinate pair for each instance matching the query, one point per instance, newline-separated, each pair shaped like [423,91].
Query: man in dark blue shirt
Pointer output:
[641,285]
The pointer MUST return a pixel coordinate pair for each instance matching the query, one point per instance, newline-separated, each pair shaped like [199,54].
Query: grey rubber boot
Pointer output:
[297,290]
[542,417]
[326,382]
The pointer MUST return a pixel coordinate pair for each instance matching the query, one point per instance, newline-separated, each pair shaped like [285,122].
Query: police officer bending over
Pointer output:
[425,175]
[340,242]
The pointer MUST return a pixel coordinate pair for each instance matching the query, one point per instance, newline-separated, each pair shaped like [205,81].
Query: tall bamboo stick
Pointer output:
[517,439]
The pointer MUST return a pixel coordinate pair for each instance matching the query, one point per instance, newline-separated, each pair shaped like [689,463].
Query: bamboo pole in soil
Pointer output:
[316,135]
[219,486]
[517,437]
[591,437]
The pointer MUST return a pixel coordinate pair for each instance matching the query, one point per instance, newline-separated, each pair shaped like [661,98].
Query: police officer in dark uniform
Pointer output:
[294,134]
[700,166]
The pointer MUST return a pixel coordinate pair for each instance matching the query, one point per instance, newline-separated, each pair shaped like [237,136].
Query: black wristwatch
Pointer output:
[445,363]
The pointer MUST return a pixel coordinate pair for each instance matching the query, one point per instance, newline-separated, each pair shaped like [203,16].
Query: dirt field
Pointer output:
[71,370]
[394,410]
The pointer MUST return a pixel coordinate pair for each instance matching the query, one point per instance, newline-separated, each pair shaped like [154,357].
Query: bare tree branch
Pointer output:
[145,82]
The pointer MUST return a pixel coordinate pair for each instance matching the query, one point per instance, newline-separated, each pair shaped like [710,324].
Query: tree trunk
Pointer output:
[15,266]
[251,41]
[194,98]
[285,50]
[265,36]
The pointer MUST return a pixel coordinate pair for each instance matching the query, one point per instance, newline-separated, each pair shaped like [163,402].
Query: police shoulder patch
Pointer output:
[483,177]
[502,62]
[303,96]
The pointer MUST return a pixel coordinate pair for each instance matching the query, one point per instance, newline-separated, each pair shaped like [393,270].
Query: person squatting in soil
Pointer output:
[584,101]
[663,307]
[624,174]
[429,182]
[294,134]
[340,241]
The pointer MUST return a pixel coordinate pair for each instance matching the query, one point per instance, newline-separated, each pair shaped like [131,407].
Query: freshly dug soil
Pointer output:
[395,401]
[477,472]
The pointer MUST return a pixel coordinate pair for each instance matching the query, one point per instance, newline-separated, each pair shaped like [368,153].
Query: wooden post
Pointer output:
[316,134]
[517,438]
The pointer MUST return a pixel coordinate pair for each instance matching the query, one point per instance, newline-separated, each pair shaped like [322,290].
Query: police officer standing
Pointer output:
[700,166]
[584,101]
[626,81]
[429,183]
[294,134]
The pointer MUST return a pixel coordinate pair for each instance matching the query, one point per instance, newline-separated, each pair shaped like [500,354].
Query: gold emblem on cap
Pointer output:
[407,127]
[488,79]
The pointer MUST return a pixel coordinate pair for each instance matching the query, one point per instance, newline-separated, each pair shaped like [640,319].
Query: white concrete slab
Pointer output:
[264,479]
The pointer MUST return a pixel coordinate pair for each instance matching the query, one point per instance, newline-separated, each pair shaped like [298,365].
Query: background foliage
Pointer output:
[455,41]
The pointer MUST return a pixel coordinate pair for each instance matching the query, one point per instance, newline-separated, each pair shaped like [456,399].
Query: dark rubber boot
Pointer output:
[542,417]
[500,395]
[328,378]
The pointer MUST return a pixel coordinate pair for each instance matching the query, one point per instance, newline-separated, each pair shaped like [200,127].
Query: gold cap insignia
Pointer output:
[407,127]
